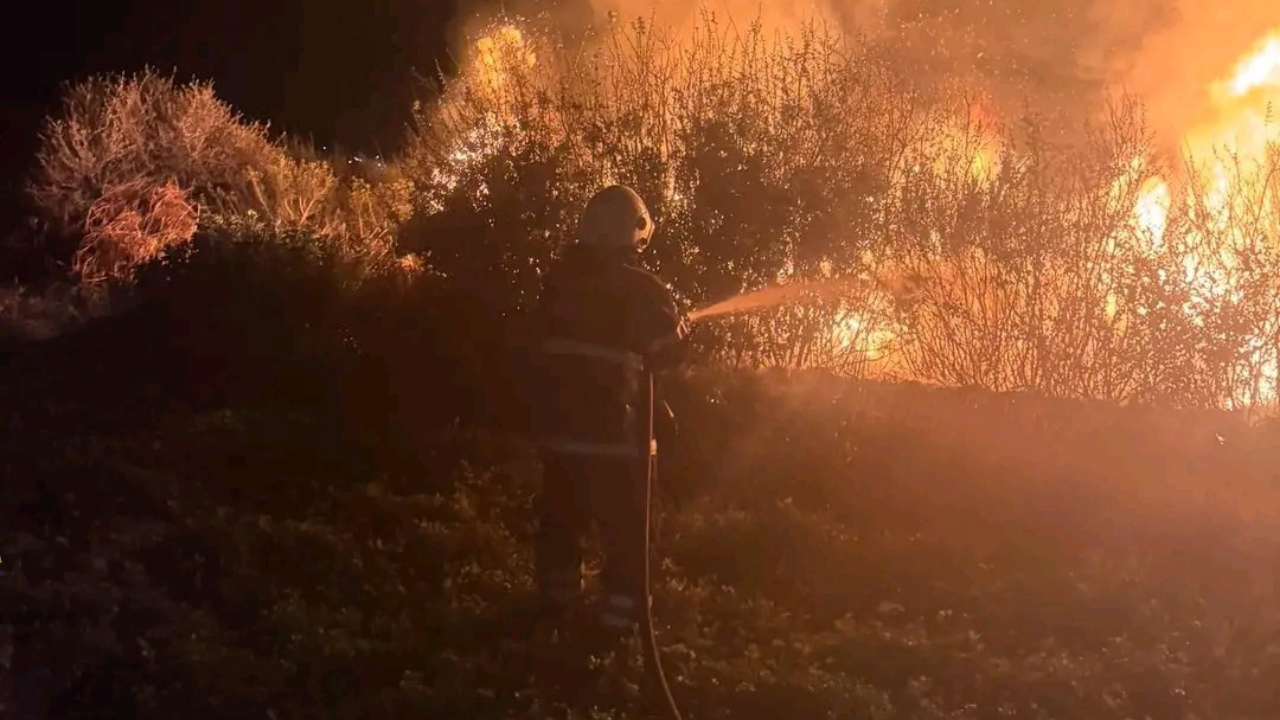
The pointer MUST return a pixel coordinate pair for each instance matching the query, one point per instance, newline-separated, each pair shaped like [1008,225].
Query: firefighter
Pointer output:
[605,327]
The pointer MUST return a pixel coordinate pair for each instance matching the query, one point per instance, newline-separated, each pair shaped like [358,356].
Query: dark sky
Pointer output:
[338,70]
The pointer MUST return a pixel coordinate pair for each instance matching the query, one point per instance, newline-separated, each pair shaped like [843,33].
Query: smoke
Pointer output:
[574,18]
[1061,59]
[1179,63]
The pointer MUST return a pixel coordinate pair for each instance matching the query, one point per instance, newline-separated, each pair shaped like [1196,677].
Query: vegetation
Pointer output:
[976,254]
[1033,265]
[277,471]
[131,162]
[829,547]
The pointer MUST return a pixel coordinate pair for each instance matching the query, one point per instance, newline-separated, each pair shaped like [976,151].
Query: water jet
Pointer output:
[774,296]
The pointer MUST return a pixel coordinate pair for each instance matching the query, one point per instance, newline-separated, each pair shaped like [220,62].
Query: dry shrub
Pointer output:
[373,211]
[119,132]
[762,159]
[287,195]
[116,130]
[130,225]
[758,159]
[792,158]
[1063,288]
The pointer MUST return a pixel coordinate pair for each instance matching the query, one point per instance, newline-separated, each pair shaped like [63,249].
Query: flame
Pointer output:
[1239,130]
[969,141]
[985,148]
[1259,69]
[1238,137]
[499,54]
[1243,103]
[1152,209]
[854,332]
[498,59]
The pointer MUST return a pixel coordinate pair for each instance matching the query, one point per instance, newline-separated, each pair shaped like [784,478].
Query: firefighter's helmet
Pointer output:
[616,217]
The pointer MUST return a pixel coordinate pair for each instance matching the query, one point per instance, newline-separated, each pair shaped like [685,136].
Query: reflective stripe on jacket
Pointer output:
[604,325]
[632,367]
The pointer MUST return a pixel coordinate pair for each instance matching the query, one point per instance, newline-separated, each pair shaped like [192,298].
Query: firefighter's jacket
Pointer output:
[603,327]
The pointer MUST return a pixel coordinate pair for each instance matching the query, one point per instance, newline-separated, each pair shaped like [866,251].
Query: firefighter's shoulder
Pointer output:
[647,285]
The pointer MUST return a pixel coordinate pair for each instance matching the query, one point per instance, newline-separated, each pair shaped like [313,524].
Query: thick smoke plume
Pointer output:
[1060,59]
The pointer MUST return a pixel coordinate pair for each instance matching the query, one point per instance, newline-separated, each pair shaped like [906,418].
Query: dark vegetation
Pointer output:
[260,450]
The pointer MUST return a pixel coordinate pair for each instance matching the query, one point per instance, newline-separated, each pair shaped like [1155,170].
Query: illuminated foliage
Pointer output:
[978,254]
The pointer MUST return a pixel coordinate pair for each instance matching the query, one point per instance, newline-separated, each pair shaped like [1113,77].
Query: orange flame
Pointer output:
[1240,133]
[1242,100]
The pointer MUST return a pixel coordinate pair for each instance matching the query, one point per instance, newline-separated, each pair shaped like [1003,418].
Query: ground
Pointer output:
[165,558]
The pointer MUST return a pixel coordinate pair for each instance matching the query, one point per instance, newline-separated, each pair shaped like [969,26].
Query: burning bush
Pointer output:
[759,161]
[1078,270]
[972,253]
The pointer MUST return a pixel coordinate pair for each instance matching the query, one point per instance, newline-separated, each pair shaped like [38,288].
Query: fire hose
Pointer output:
[649,636]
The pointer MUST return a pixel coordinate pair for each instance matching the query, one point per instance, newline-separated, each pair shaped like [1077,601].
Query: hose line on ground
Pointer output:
[648,636]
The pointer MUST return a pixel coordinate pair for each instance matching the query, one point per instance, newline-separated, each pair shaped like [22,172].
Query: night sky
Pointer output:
[335,70]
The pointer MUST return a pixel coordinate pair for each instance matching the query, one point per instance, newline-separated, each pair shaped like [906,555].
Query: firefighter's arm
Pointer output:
[669,340]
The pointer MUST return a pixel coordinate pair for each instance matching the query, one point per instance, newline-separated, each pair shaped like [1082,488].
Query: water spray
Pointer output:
[745,302]
[777,295]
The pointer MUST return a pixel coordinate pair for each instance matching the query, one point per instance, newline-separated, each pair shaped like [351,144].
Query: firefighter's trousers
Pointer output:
[580,489]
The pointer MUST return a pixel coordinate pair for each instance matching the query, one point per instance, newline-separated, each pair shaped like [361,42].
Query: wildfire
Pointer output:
[1241,130]
[982,144]
[1233,143]
[856,333]
[1236,138]
[473,116]
[967,143]
[499,55]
